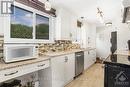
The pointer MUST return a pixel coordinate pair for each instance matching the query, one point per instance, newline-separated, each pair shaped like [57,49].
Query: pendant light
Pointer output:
[47,5]
[100,15]
[108,24]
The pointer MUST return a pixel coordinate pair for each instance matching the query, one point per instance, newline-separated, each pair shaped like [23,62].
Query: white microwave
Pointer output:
[19,52]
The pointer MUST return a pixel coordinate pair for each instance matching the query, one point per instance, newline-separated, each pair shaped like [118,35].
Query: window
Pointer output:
[42,27]
[28,25]
[21,23]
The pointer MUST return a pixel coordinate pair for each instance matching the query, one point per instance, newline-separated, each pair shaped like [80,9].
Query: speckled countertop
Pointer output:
[4,66]
[48,56]
[123,52]
[54,54]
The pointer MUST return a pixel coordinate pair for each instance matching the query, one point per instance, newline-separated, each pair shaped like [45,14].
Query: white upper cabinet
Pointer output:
[65,25]
[88,35]
[1,25]
[91,36]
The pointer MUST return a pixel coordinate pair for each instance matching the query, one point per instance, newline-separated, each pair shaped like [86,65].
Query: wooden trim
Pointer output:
[37,5]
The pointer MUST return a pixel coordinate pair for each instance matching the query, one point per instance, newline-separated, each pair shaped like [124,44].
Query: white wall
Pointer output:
[104,35]
[103,41]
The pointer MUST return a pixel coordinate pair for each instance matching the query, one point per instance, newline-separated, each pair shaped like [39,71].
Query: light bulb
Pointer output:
[47,5]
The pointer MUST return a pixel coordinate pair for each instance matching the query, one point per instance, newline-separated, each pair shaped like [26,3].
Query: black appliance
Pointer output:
[79,63]
[117,71]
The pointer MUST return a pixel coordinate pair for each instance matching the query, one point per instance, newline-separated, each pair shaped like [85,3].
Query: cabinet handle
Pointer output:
[11,73]
[78,55]
[88,52]
[66,59]
[41,65]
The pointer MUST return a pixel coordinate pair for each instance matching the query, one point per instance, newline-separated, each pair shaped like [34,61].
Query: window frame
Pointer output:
[7,29]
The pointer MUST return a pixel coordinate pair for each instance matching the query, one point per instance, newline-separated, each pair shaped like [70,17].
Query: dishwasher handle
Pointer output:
[78,55]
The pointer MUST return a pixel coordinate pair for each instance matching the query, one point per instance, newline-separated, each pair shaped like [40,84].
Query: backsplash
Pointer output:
[59,45]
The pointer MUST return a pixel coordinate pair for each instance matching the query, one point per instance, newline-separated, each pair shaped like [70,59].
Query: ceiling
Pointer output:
[88,8]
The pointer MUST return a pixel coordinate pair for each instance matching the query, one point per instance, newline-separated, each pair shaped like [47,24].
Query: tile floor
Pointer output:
[93,77]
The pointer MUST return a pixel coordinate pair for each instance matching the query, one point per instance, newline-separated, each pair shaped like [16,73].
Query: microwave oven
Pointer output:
[19,52]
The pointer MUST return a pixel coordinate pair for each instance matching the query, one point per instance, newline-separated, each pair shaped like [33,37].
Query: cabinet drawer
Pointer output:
[10,74]
[19,71]
[42,65]
[36,66]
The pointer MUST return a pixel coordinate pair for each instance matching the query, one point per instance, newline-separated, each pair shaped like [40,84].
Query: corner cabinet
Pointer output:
[89,58]
[62,71]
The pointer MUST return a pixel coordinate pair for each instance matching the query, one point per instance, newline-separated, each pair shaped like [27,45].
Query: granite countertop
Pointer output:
[123,52]
[118,59]
[48,56]
[54,54]
[4,66]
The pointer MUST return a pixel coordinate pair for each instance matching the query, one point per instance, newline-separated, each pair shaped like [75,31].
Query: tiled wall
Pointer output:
[59,45]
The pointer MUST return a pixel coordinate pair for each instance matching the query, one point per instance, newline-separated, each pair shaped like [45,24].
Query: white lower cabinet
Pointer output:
[86,60]
[69,68]
[58,71]
[61,72]
[89,58]
[11,73]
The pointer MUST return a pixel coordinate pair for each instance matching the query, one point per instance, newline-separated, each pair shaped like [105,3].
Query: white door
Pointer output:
[58,71]
[69,68]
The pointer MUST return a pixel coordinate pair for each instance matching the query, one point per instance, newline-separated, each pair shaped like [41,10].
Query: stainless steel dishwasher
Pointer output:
[79,63]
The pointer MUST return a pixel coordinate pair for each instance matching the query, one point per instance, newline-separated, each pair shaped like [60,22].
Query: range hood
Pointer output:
[126,14]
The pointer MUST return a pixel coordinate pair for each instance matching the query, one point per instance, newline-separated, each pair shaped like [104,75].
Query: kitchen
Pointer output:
[47,43]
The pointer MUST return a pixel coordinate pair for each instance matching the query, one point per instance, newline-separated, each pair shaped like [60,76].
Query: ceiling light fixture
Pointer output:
[108,24]
[47,5]
[100,15]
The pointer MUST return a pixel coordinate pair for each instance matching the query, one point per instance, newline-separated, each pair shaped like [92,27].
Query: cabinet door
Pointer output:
[63,24]
[69,67]
[58,74]
[86,60]
[93,55]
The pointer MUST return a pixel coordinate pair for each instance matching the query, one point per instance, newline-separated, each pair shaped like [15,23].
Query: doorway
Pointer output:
[113,41]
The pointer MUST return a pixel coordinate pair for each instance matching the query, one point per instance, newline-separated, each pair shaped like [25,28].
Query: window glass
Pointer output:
[21,23]
[42,27]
